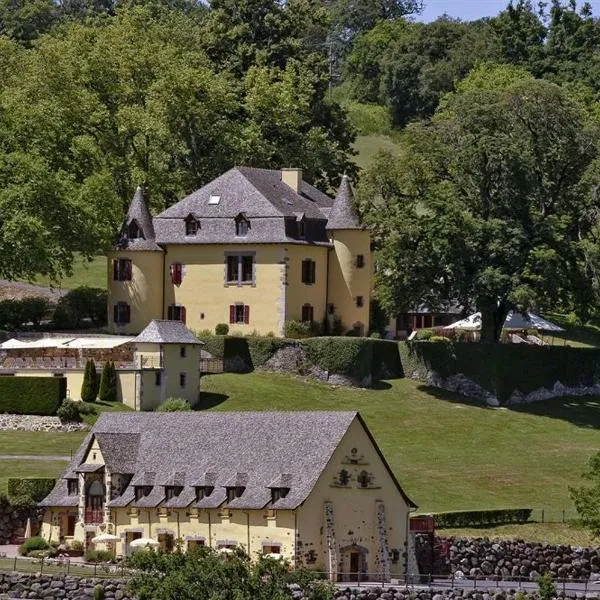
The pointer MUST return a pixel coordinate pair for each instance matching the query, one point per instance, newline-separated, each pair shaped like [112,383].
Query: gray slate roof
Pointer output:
[138,212]
[167,332]
[342,214]
[253,449]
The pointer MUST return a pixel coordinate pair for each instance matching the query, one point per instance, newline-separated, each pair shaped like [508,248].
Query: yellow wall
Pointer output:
[203,290]
[142,293]
[298,293]
[346,281]
[354,508]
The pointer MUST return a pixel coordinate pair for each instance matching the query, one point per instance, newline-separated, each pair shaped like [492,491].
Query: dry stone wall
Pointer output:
[10,422]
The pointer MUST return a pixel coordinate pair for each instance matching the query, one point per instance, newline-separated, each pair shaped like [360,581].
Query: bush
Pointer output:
[34,310]
[32,395]
[32,544]
[99,556]
[69,411]
[547,589]
[174,405]
[375,335]
[108,383]
[439,338]
[344,356]
[478,518]
[86,408]
[301,329]
[89,387]
[222,329]
[82,303]
[23,502]
[99,592]
[77,546]
[36,488]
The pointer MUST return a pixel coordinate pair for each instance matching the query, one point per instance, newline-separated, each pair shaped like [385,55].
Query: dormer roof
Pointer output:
[160,331]
[342,214]
[140,214]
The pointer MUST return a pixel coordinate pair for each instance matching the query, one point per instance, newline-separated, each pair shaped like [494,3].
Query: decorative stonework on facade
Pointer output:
[383,556]
[332,559]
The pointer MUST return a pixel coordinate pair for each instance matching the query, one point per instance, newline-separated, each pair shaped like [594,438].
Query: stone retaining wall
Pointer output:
[10,422]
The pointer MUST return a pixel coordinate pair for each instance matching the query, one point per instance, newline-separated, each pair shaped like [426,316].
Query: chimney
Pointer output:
[292,178]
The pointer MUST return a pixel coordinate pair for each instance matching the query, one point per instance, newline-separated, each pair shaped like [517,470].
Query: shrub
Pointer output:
[34,309]
[478,518]
[36,488]
[77,546]
[439,338]
[222,329]
[375,335]
[89,387]
[261,349]
[99,592]
[345,356]
[425,334]
[108,383]
[547,589]
[301,329]
[82,303]
[174,405]
[32,395]
[23,502]
[86,408]
[99,556]
[69,411]
[33,543]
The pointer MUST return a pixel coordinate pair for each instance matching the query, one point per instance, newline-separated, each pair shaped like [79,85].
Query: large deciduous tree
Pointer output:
[492,204]
[587,497]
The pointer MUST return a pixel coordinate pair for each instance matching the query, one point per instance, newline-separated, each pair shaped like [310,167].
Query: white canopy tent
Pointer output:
[471,323]
[513,320]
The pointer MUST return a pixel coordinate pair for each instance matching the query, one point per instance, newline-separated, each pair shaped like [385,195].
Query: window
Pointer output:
[360,261]
[182,352]
[364,479]
[278,493]
[359,301]
[191,225]
[158,378]
[204,491]
[214,199]
[176,273]
[272,549]
[302,228]
[121,313]
[133,231]
[176,312]
[182,380]
[242,225]
[307,313]
[308,271]
[239,313]
[240,269]
[172,491]
[234,492]
[72,487]
[122,269]
[142,490]
[330,308]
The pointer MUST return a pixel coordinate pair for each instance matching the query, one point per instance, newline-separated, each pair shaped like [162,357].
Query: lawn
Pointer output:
[448,453]
[368,146]
[92,274]
[27,468]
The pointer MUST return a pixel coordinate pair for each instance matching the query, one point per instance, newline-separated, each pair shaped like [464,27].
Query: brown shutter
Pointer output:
[246,314]
[116,269]
[232,313]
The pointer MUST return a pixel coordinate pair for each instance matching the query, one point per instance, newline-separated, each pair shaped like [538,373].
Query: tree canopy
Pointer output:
[492,204]
[587,497]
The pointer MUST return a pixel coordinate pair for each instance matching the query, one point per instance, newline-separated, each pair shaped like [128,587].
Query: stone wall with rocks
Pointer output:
[502,559]
[10,422]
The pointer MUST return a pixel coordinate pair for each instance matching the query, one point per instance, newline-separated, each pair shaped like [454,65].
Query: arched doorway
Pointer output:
[94,503]
[354,563]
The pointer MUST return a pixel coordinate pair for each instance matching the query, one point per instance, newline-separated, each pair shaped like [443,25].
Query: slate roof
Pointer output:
[342,214]
[251,449]
[167,332]
[138,212]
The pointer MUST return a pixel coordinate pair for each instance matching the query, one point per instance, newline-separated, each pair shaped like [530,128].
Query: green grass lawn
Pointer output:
[92,274]
[27,468]
[368,146]
[448,453]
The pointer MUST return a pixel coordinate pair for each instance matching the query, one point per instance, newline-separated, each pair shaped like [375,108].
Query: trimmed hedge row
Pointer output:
[354,357]
[478,518]
[32,395]
[504,368]
[36,488]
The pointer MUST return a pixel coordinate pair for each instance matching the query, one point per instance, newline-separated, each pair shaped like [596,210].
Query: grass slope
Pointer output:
[92,274]
[368,146]
[448,453]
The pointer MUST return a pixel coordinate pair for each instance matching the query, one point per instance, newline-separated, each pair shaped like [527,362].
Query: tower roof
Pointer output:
[139,214]
[342,214]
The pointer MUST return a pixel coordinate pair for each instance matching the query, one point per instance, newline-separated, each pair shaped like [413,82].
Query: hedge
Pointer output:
[502,369]
[36,488]
[32,395]
[479,518]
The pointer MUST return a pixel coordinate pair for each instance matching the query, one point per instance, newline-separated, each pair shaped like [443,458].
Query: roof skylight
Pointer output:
[214,199]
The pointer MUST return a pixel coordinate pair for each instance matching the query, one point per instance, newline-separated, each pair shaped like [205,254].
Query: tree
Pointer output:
[108,383]
[25,20]
[587,497]
[89,387]
[491,204]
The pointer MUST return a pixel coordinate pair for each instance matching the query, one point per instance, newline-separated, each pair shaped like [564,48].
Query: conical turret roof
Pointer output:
[342,214]
[138,212]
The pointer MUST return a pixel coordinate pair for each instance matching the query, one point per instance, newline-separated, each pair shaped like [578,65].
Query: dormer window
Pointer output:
[279,493]
[192,225]
[72,487]
[214,199]
[172,491]
[234,492]
[133,230]
[142,491]
[203,491]
[242,225]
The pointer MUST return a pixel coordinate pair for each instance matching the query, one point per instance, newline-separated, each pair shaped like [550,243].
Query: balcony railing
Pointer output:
[150,362]
[93,517]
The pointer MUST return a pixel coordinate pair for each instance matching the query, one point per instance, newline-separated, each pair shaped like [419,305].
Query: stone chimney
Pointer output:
[292,178]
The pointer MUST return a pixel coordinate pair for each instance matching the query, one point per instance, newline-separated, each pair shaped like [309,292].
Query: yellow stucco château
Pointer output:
[309,487]
[253,249]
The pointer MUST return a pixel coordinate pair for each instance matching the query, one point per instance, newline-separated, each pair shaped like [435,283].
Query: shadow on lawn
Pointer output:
[583,411]
[210,400]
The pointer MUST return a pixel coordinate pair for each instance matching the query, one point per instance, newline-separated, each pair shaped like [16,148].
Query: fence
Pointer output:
[66,566]
[211,366]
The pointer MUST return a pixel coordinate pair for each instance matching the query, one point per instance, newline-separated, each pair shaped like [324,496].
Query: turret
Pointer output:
[350,265]
[135,272]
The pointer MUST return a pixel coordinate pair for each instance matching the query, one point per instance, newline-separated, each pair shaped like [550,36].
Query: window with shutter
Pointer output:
[175,312]
[246,314]
[176,273]
[121,313]
[309,268]
[240,269]
[122,269]
[307,313]
[232,313]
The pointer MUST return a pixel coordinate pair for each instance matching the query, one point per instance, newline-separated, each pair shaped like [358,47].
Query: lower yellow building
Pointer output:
[311,488]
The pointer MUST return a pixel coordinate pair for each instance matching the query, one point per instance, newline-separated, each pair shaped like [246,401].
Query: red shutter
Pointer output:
[232,313]
[246,314]
[128,270]
[116,313]
[116,269]
[182,312]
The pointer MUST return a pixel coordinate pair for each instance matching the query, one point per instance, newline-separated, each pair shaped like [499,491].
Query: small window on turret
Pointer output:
[360,261]
[133,231]
[360,301]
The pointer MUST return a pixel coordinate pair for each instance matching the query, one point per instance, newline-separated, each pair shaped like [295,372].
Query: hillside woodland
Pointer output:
[489,197]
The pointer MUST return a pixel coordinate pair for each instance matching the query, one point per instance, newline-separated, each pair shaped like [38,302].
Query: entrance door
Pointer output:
[129,537]
[354,566]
